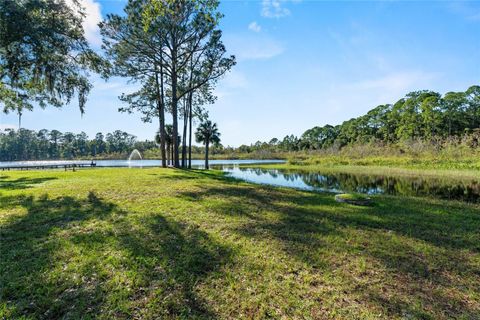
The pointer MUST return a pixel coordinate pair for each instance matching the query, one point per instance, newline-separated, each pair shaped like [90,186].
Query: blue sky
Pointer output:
[302,64]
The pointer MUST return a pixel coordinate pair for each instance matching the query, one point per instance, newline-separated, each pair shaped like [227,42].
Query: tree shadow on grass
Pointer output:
[393,233]
[207,174]
[448,225]
[59,260]
[183,257]
[180,174]
[29,244]
[21,183]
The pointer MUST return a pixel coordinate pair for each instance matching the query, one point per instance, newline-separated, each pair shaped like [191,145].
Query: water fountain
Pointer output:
[135,155]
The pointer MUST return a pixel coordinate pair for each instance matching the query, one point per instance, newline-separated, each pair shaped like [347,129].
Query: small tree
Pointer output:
[207,132]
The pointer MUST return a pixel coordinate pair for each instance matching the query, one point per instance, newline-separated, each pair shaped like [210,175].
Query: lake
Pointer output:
[442,188]
[133,163]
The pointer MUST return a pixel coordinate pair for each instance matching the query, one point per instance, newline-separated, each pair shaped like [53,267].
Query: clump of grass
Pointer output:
[354,198]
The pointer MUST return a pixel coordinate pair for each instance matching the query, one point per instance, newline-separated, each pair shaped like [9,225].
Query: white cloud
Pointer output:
[274,9]
[91,20]
[254,26]
[253,47]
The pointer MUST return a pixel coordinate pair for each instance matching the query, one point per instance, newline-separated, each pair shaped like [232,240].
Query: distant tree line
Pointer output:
[26,144]
[420,115]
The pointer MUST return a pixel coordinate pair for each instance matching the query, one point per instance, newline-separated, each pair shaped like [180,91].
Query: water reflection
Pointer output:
[465,190]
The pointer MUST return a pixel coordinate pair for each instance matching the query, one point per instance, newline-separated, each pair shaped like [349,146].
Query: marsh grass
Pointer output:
[449,154]
[446,175]
[164,243]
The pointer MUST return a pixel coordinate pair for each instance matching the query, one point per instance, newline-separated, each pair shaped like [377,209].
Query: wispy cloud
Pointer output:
[254,26]
[115,86]
[253,47]
[342,99]
[390,87]
[359,48]
[274,9]
[469,10]
[235,79]
[353,35]
[8,126]
[399,81]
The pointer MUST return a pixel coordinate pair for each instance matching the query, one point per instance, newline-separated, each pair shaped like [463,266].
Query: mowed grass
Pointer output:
[165,243]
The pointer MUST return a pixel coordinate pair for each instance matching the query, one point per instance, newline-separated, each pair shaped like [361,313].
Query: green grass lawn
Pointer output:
[164,243]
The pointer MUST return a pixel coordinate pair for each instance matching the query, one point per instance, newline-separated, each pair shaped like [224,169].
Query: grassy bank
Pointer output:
[164,243]
[407,162]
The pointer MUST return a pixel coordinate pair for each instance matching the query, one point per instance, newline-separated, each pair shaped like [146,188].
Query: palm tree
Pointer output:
[168,141]
[20,118]
[207,132]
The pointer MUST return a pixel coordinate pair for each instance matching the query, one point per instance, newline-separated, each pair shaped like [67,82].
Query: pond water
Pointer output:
[133,163]
[464,190]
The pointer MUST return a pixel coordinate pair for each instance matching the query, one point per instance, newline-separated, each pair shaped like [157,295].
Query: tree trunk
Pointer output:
[176,162]
[184,137]
[190,131]
[168,154]
[188,113]
[162,99]
[206,156]
[161,118]
[176,158]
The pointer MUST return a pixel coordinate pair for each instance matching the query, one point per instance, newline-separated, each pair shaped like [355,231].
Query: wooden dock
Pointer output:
[66,166]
